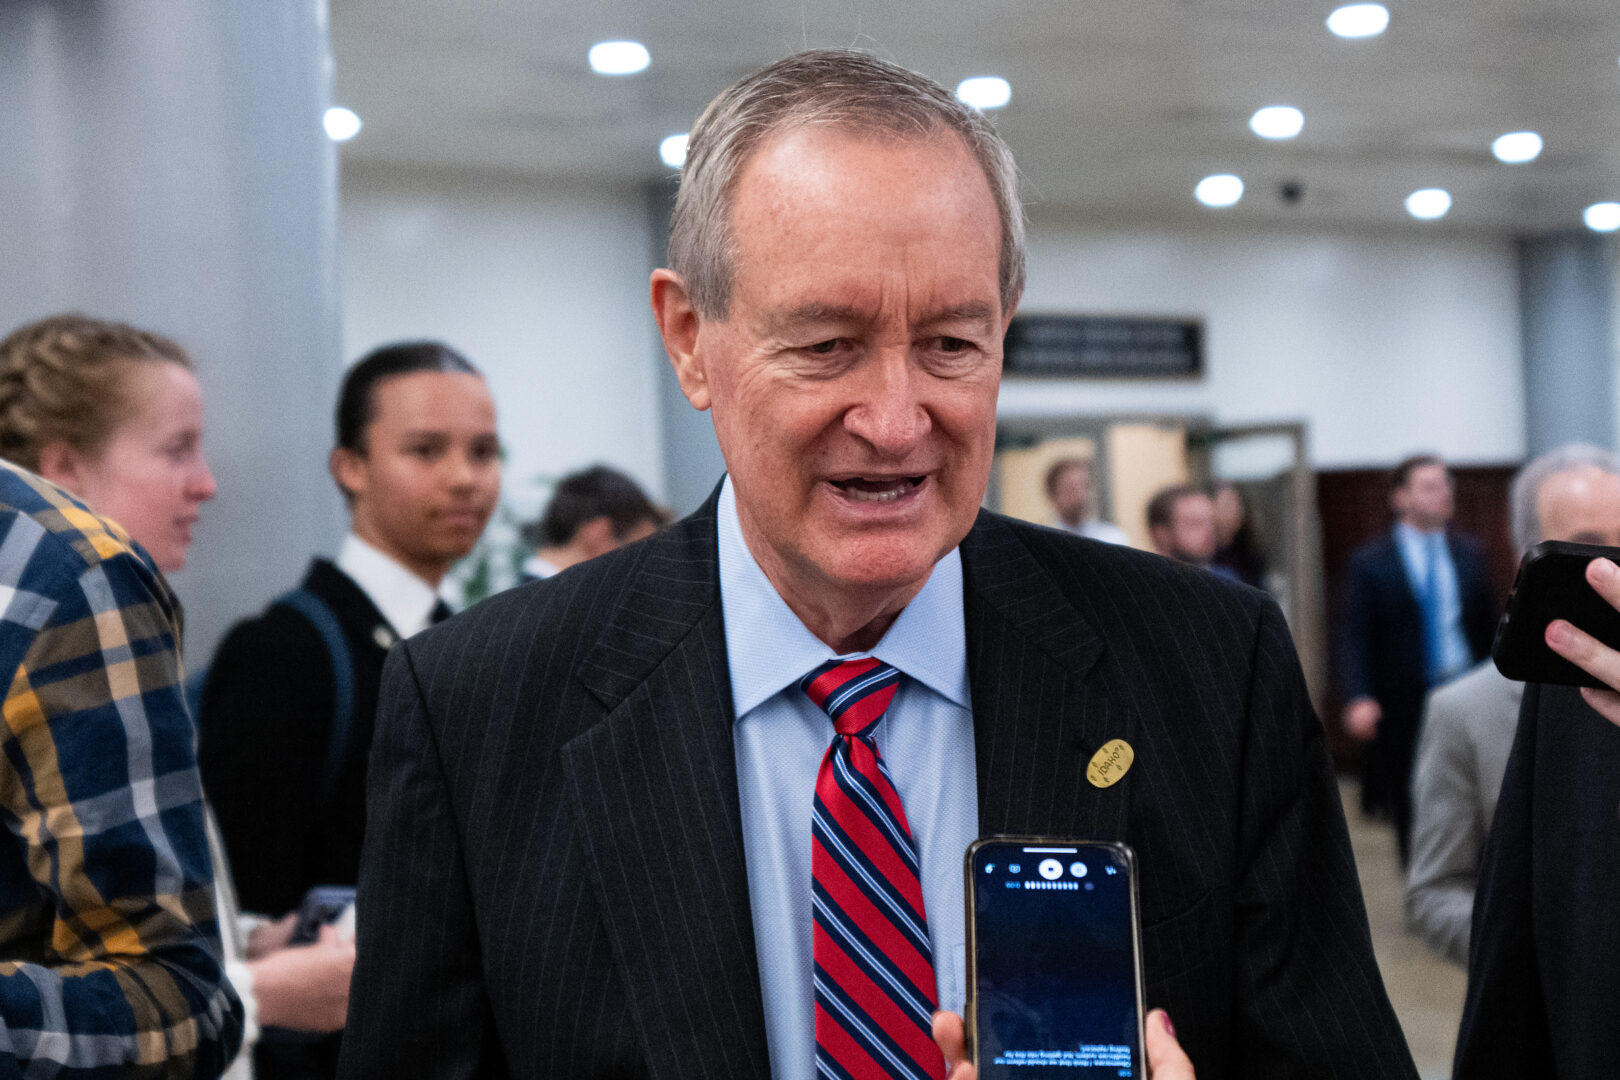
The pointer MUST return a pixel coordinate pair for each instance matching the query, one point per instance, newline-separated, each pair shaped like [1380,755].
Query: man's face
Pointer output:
[1190,535]
[1071,494]
[430,474]
[1581,505]
[1425,501]
[854,380]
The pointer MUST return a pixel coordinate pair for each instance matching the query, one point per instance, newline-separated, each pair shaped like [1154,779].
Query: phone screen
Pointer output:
[1054,961]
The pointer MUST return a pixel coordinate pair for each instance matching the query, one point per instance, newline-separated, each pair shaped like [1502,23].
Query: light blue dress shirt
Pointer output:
[1419,552]
[926,737]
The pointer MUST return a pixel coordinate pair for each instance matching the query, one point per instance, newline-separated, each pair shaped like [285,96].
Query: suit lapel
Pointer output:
[655,785]
[1041,705]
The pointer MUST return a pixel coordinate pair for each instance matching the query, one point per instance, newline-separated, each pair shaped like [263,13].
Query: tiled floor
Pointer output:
[1427,991]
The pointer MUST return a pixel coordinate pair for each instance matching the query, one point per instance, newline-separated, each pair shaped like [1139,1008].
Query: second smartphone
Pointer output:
[1054,959]
[1552,584]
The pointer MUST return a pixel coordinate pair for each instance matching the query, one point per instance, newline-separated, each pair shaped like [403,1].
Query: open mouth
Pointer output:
[890,489]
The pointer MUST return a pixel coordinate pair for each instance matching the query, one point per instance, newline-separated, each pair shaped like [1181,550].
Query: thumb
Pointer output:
[949,1035]
[1166,1059]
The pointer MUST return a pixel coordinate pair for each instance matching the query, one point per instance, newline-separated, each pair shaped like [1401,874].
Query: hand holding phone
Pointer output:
[1166,1059]
[1553,585]
[1587,652]
[1054,960]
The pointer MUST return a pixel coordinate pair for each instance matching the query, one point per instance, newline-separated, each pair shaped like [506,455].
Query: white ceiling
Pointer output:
[1119,107]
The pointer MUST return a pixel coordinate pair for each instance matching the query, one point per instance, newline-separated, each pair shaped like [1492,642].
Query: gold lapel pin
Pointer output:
[1110,763]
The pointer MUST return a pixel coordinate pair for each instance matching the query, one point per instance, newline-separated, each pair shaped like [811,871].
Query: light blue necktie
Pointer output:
[1434,634]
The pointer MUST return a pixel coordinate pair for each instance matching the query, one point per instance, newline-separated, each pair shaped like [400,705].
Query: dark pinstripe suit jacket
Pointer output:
[553,880]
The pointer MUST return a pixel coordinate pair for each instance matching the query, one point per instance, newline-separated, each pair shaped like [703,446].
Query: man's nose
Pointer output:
[889,413]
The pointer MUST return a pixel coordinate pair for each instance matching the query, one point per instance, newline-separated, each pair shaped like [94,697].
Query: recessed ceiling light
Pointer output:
[1603,216]
[1277,122]
[1220,190]
[984,92]
[673,150]
[619,57]
[1428,203]
[1359,20]
[341,124]
[1517,147]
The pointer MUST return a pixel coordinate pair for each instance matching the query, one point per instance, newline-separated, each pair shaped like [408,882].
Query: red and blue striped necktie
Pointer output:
[874,969]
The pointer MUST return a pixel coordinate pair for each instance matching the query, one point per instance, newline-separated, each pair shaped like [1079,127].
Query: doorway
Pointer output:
[1134,456]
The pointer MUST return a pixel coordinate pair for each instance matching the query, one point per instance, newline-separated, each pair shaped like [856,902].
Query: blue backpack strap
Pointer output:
[194,691]
[321,616]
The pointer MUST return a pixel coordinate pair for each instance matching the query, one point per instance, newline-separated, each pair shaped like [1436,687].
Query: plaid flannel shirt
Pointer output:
[108,943]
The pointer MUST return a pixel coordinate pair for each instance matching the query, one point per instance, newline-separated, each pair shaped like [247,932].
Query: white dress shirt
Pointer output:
[404,599]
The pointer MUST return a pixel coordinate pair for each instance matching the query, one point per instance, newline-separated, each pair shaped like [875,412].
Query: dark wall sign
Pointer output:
[1105,347]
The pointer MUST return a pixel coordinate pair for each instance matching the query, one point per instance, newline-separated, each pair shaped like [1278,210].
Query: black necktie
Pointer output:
[441,611]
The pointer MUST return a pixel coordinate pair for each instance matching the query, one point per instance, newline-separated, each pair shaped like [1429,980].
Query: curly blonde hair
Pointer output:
[64,379]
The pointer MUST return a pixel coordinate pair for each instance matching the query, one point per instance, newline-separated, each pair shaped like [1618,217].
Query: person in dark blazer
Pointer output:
[287,705]
[267,767]
[1405,631]
[1544,964]
[590,847]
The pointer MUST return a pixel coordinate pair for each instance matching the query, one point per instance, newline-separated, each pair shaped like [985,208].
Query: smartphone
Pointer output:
[1552,584]
[321,905]
[1054,959]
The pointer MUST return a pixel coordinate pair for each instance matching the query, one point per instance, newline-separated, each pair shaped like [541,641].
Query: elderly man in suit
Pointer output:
[614,825]
[1570,493]
[1544,960]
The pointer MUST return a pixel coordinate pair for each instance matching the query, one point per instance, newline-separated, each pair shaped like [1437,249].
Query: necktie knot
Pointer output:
[854,693]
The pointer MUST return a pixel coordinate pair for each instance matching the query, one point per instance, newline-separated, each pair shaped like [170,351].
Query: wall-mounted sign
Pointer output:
[1098,346]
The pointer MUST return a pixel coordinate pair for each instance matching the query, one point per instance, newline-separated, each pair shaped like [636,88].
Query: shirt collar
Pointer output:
[404,599]
[1411,534]
[768,648]
[535,566]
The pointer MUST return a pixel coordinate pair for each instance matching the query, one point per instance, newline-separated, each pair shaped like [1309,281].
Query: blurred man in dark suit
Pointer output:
[621,819]
[1418,610]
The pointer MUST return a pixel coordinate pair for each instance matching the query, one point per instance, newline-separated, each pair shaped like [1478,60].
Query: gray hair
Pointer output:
[842,88]
[1527,485]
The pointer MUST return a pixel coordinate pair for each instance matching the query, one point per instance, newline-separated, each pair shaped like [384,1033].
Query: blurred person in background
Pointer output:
[591,513]
[1418,610]
[1570,493]
[1069,490]
[1544,957]
[288,703]
[1237,544]
[1181,521]
[110,892]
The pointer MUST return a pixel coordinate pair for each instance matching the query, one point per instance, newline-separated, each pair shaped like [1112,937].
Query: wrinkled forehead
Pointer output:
[821,199]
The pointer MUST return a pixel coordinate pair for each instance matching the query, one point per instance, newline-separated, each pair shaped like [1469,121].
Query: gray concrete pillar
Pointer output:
[163,162]
[1566,299]
[692,461]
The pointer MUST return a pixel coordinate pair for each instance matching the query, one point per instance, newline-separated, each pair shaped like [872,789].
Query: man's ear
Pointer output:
[678,325]
[62,465]
[348,471]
